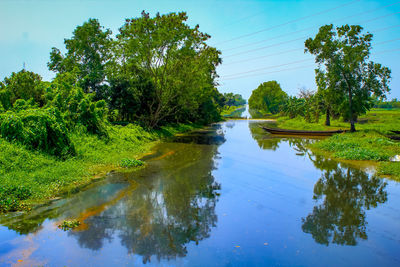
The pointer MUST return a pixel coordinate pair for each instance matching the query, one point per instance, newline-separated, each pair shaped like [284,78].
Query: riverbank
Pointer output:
[29,178]
[369,143]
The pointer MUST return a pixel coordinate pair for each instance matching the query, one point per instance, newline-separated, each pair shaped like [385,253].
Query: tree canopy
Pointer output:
[345,71]
[267,98]
[88,52]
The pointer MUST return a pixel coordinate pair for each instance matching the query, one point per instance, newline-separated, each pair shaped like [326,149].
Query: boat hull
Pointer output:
[300,132]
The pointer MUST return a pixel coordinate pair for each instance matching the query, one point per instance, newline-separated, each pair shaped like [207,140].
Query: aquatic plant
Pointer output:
[128,163]
[69,224]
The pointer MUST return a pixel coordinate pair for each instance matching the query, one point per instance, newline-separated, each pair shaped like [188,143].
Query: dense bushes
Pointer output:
[11,196]
[42,129]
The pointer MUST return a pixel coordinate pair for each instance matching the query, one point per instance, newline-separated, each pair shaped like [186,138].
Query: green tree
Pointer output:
[88,51]
[267,98]
[342,54]
[75,106]
[174,61]
[232,99]
[22,85]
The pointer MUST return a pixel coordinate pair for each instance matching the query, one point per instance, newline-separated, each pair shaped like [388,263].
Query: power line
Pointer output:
[264,47]
[266,56]
[291,21]
[301,49]
[272,38]
[295,62]
[258,74]
[293,40]
[271,67]
[300,67]
[310,28]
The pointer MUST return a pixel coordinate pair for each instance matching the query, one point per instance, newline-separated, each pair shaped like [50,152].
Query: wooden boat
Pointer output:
[300,132]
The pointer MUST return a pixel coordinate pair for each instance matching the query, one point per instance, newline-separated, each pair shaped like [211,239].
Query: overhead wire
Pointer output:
[294,50]
[289,22]
[309,28]
[304,60]
[300,67]
[303,37]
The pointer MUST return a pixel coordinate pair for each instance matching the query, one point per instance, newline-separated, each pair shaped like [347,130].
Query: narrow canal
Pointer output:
[228,195]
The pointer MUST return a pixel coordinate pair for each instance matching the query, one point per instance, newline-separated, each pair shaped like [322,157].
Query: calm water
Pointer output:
[229,195]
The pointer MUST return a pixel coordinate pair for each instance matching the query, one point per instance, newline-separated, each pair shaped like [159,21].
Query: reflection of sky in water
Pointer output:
[238,197]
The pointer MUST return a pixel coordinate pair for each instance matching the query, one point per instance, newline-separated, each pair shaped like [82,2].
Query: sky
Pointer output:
[259,40]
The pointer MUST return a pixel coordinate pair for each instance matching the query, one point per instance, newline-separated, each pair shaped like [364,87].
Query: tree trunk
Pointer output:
[352,127]
[328,118]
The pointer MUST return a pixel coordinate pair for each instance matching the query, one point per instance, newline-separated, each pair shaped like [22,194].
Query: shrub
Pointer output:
[10,197]
[127,163]
[42,129]
[67,225]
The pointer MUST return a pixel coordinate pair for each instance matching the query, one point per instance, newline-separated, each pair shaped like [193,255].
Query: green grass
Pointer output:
[379,120]
[360,146]
[29,177]
[368,143]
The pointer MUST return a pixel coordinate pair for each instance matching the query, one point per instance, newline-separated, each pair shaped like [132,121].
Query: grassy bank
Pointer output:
[30,177]
[370,142]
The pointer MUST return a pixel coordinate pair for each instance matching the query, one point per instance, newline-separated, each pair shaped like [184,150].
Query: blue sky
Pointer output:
[259,40]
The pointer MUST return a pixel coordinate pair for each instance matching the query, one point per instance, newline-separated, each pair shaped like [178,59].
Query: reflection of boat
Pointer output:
[300,132]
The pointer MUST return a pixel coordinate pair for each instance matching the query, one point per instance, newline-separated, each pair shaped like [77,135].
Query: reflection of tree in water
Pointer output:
[346,194]
[173,205]
[264,140]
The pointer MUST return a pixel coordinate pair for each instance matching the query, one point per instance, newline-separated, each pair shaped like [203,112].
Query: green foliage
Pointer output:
[42,129]
[231,99]
[360,146]
[345,76]
[22,85]
[46,176]
[76,107]
[69,224]
[267,98]
[128,163]
[228,111]
[294,107]
[88,51]
[389,168]
[379,103]
[169,67]
[11,196]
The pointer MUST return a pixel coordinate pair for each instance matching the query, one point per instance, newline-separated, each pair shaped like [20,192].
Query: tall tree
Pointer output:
[342,54]
[174,58]
[88,51]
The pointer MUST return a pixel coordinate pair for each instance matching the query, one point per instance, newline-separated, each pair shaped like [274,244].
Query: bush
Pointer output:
[127,163]
[10,197]
[42,129]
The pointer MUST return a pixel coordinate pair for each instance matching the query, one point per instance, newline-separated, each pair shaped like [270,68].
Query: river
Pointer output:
[227,195]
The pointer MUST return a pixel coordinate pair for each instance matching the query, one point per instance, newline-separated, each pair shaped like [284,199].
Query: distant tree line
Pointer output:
[394,103]
[348,83]
[231,99]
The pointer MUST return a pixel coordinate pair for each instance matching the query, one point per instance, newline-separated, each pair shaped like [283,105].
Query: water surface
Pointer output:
[228,195]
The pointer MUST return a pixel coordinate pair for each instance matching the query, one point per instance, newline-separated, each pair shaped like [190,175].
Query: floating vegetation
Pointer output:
[128,163]
[69,224]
